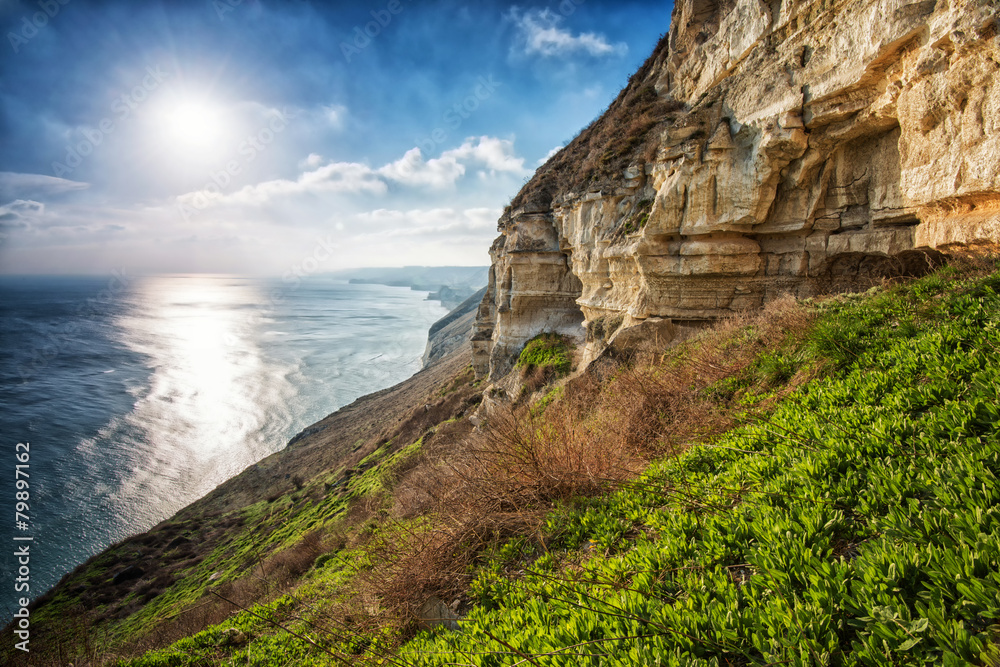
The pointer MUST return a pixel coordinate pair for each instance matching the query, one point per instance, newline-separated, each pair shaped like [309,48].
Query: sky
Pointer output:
[263,137]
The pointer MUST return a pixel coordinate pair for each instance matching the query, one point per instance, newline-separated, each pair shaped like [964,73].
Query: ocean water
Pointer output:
[140,395]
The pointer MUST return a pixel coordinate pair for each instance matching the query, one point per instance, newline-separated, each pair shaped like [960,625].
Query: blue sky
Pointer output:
[248,136]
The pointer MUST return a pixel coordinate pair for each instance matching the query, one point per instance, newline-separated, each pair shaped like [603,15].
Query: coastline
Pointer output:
[54,565]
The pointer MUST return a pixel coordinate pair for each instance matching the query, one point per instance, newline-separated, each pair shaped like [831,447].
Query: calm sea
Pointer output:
[140,395]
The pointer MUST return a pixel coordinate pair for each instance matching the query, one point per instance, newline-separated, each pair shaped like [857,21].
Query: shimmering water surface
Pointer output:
[140,395]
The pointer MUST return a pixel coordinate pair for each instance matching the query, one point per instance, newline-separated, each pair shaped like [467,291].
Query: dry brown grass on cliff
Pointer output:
[617,138]
[601,434]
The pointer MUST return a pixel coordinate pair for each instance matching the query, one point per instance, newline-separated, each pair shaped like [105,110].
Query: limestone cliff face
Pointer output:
[766,147]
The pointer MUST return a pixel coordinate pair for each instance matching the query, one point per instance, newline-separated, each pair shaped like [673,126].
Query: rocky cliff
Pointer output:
[766,147]
[452,331]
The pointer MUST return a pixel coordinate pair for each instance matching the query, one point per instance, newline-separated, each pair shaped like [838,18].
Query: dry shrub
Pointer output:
[287,566]
[522,459]
[976,260]
[416,564]
[419,491]
[534,378]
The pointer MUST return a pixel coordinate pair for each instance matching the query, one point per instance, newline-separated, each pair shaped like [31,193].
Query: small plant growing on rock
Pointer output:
[546,351]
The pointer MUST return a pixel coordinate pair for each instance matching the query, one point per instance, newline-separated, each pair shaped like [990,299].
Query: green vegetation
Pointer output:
[545,351]
[288,624]
[856,523]
[639,216]
[554,394]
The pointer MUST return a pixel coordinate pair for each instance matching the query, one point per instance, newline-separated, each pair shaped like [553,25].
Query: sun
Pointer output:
[194,123]
[192,129]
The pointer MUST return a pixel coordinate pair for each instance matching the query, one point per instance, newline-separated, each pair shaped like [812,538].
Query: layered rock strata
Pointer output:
[765,148]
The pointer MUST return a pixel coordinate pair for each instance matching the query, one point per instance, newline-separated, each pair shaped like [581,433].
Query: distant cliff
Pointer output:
[451,285]
[453,331]
[764,148]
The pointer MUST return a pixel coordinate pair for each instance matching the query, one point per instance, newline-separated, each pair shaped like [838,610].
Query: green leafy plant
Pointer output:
[547,351]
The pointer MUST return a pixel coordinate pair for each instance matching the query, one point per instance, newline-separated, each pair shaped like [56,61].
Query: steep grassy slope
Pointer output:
[823,491]
[858,522]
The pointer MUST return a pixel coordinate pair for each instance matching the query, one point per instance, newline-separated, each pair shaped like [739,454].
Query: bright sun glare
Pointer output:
[194,125]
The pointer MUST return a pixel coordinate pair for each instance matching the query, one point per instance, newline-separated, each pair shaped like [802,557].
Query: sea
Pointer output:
[134,396]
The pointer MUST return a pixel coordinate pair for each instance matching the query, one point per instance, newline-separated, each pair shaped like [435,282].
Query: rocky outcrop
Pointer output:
[765,148]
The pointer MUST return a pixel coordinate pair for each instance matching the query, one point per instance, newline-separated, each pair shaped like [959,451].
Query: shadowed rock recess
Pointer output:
[766,147]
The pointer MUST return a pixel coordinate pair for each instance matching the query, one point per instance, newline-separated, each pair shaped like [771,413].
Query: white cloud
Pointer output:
[256,115]
[336,177]
[312,161]
[20,186]
[20,213]
[540,32]
[445,222]
[340,177]
[412,169]
[496,155]
[335,114]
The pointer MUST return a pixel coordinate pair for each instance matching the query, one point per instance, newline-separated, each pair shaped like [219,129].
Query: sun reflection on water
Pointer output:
[207,412]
